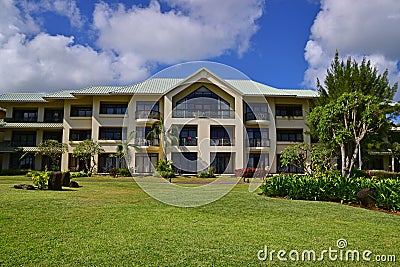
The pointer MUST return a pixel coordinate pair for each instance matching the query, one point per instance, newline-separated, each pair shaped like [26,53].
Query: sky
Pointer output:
[52,45]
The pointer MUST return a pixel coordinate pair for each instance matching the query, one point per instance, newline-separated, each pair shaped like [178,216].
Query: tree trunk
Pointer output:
[343,154]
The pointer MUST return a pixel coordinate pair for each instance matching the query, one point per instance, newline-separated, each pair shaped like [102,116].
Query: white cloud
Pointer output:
[190,30]
[130,40]
[355,28]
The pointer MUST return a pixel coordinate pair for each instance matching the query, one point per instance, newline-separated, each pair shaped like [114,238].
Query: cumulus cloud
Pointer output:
[355,28]
[190,30]
[130,40]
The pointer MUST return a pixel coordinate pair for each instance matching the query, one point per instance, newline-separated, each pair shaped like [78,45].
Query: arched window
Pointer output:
[202,103]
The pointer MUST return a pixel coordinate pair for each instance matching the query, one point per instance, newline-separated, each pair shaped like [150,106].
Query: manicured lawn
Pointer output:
[112,222]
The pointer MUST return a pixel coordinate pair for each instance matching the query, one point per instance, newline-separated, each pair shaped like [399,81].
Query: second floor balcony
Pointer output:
[144,142]
[194,113]
[222,142]
[147,115]
[259,142]
[252,116]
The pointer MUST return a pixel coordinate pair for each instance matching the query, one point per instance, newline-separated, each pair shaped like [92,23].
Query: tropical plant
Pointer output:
[353,104]
[40,179]
[86,151]
[164,169]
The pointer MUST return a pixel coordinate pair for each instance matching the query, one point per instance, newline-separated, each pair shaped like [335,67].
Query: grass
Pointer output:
[112,222]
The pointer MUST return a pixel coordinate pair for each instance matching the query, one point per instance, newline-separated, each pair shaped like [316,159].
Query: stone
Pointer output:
[54,182]
[73,184]
[365,196]
[24,186]
[65,179]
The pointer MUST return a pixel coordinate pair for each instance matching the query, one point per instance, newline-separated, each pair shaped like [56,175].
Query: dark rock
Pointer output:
[365,196]
[65,179]
[74,184]
[24,186]
[55,181]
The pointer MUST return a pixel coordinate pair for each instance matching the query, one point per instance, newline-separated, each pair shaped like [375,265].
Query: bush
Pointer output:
[207,174]
[125,172]
[164,169]
[114,172]
[80,174]
[331,186]
[40,179]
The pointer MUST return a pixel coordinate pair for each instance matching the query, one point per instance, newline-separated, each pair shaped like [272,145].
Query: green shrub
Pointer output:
[40,179]
[125,172]
[207,174]
[331,186]
[80,174]
[164,168]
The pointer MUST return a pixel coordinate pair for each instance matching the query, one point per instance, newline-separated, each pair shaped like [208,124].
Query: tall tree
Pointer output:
[353,104]
[86,151]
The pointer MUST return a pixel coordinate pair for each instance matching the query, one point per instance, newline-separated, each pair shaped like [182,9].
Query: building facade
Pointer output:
[203,120]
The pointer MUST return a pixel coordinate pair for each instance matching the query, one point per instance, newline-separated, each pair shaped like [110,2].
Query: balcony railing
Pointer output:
[251,116]
[31,120]
[259,142]
[185,141]
[215,114]
[148,114]
[222,142]
[20,119]
[147,142]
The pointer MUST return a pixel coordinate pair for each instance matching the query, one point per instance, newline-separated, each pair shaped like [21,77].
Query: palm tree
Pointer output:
[168,137]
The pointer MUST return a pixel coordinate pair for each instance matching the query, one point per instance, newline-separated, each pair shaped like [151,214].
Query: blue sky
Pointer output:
[50,45]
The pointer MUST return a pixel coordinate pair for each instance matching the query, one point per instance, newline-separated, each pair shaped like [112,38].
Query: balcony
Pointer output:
[143,142]
[259,142]
[188,141]
[147,115]
[222,142]
[11,123]
[215,114]
[9,146]
[256,117]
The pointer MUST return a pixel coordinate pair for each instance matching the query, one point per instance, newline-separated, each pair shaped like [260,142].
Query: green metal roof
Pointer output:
[97,90]
[66,94]
[22,97]
[150,86]
[159,86]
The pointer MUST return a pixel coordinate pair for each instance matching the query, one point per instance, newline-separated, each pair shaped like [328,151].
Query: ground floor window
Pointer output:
[185,163]
[106,162]
[75,164]
[222,162]
[258,160]
[22,161]
[146,162]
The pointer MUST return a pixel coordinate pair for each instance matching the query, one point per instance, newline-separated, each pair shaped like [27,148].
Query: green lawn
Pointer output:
[112,222]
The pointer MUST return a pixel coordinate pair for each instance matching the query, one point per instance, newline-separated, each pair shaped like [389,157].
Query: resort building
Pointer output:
[204,120]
